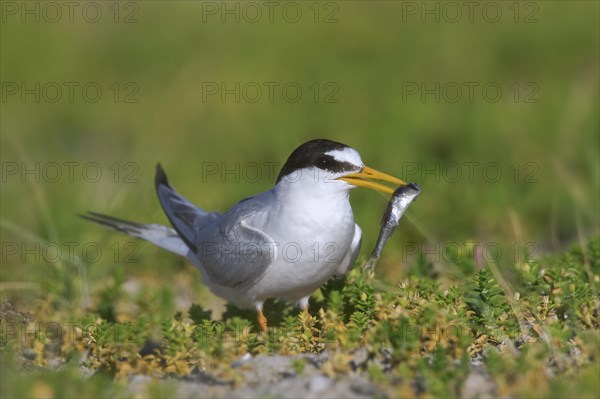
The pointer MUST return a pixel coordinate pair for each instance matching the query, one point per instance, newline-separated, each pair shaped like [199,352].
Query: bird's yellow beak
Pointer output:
[361,179]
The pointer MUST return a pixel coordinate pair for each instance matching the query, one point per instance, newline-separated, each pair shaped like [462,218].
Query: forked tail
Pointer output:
[157,234]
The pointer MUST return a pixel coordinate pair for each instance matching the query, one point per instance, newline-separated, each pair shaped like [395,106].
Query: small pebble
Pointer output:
[319,383]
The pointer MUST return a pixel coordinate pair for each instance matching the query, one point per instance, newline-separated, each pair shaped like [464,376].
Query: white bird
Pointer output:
[283,243]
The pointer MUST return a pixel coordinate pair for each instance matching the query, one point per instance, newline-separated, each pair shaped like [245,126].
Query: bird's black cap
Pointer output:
[313,154]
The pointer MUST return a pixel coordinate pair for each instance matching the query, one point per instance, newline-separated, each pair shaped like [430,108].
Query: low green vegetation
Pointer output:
[536,335]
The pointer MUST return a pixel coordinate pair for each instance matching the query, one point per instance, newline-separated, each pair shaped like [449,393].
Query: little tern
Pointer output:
[283,243]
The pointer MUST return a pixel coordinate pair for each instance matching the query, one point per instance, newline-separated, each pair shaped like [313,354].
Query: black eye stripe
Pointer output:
[331,164]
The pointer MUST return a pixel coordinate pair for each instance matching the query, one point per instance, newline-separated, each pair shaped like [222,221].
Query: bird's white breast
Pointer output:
[312,225]
[313,230]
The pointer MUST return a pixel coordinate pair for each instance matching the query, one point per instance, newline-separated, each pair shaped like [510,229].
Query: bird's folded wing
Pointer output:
[352,254]
[236,251]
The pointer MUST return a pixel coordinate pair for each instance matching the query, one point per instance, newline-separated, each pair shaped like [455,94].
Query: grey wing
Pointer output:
[186,218]
[235,251]
[352,254]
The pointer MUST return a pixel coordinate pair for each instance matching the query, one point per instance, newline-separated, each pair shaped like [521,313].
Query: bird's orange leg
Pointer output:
[262,321]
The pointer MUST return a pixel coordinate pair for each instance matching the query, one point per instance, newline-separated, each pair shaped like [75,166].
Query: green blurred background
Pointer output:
[354,62]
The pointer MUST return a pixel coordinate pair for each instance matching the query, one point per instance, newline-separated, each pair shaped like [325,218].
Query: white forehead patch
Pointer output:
[346,155]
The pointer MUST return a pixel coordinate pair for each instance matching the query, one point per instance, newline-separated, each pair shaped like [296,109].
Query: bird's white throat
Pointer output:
[315,199]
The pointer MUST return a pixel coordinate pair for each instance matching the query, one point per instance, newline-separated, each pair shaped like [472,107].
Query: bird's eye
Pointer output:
[323,162]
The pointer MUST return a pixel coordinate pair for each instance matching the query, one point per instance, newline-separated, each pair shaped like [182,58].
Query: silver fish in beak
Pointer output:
[401,199]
